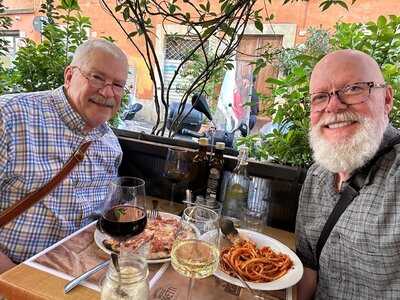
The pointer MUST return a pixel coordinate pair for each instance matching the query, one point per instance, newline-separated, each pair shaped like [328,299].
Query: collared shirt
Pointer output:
[38,134]
[361,258]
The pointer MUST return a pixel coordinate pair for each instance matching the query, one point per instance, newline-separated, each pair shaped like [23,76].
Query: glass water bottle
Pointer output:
[131,283]
[237,188]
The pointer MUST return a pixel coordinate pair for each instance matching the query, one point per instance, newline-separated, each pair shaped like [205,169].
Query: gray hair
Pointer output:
[86,49]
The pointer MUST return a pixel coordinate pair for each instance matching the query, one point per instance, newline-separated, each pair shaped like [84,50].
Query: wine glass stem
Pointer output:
[171,198]
[191,284]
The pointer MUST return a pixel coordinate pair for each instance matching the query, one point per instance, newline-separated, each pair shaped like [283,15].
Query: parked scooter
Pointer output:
[189,127]
[131,111]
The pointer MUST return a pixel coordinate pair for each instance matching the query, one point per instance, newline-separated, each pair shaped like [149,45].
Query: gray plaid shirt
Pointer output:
[361,258]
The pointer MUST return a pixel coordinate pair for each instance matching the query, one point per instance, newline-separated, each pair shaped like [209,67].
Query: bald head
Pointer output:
[345,66]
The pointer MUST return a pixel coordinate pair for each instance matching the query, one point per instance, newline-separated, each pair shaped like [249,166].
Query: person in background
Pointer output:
[239,99]
[40,131]
[254,108]
[350,106]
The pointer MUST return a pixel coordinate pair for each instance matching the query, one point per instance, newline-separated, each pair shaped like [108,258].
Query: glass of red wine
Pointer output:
[177,168]
[124,210]
[123,216]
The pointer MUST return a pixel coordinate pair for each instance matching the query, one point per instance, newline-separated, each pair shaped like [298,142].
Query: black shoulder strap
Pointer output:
[351,188]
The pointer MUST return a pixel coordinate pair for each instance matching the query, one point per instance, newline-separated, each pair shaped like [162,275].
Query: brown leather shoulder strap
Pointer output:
[19,207]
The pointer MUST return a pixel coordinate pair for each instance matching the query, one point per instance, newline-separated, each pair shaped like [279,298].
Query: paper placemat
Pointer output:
[78,253]
[173,286]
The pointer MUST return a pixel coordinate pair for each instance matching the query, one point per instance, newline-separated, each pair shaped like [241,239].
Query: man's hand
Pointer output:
[5,263]
[307,285]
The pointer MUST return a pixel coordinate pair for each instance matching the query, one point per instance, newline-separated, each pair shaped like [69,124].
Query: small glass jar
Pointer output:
[133,281]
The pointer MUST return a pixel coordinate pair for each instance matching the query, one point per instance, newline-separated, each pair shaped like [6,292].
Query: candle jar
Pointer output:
[132,281]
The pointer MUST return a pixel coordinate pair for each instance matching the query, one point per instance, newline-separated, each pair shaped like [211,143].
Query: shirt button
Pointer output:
[335,237]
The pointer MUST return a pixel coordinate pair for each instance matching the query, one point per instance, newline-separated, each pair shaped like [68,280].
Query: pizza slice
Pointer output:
[131,245]
[160,233]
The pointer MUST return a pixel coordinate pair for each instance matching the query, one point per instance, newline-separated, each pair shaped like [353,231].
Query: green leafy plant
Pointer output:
[5,23]
[288,104]
[40,66]
[253,142]
[288,142]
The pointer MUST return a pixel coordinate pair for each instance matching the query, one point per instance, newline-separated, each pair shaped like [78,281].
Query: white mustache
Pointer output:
[336,118]
[109,102]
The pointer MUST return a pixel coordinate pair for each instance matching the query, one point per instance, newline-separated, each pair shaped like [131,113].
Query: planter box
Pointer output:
[144,156]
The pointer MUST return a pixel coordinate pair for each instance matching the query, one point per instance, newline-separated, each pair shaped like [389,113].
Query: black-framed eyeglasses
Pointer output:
[350,94]
[98,82]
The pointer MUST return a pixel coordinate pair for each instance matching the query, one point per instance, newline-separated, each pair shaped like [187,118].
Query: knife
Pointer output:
[74,282]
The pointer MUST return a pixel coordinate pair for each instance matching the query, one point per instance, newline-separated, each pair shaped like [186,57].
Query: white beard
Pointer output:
[351,153]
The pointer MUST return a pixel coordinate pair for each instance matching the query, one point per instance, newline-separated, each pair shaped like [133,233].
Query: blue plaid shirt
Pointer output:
[38,133]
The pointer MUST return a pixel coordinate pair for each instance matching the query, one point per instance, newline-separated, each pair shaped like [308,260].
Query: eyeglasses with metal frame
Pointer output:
[350,94]
[98,82]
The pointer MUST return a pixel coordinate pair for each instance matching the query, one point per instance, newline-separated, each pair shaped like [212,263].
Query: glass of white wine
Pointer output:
[195,252]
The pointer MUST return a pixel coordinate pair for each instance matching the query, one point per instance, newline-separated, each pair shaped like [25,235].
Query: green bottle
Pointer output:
[215,175]
[199,169]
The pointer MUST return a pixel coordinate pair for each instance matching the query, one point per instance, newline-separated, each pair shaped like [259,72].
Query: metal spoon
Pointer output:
[119,290]
[227,227]
[229,230]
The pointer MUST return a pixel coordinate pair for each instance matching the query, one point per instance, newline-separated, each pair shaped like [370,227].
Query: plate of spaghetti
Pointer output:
[265,263]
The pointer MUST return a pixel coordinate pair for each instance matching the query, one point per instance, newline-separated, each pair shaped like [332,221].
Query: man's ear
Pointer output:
[68,76]
[388,99]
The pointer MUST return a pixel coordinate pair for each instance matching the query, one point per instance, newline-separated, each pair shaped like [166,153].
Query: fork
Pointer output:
[154,211]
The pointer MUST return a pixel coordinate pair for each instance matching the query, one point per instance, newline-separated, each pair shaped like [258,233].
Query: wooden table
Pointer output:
[25,282]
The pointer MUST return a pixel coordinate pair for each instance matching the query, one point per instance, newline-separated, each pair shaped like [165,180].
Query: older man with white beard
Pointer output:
[357,256]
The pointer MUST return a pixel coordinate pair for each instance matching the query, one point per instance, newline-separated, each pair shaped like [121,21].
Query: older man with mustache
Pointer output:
[39,132]
[350,135]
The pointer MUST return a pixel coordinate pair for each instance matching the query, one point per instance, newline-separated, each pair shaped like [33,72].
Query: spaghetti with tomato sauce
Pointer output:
[254,264]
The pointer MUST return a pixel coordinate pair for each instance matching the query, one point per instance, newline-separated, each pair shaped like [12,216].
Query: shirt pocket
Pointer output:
[372,262]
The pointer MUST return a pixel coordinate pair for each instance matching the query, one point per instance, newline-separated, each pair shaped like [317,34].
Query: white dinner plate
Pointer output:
[288,280]
[99,237]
